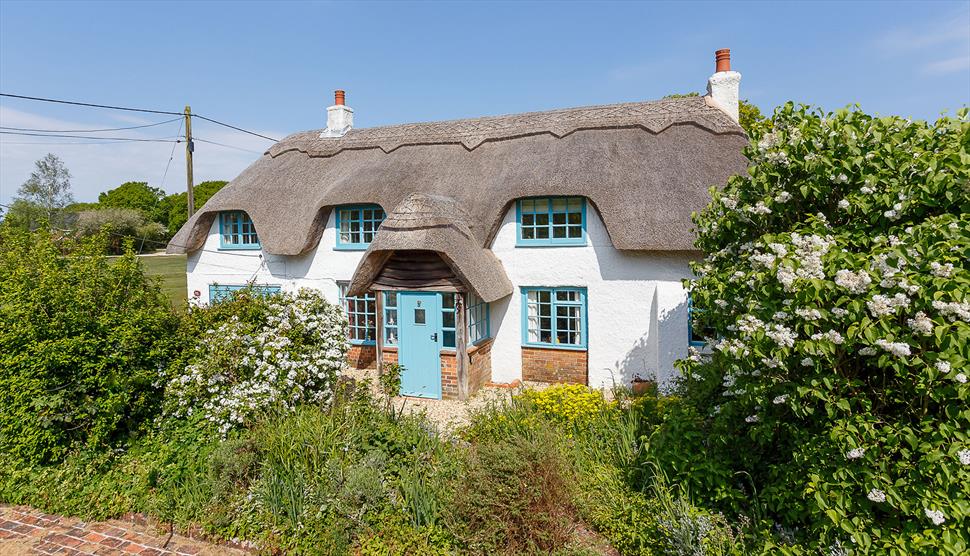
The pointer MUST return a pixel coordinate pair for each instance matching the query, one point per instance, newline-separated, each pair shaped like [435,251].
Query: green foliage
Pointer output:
[749,116]
[122,225]
[47,191]
[136,195]
[259,355]
[177,204]
[82,343]
[515,496]
[570,404]
[390,380]
[835,280]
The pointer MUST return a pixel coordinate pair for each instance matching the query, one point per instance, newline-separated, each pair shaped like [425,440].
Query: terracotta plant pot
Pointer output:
[641,387]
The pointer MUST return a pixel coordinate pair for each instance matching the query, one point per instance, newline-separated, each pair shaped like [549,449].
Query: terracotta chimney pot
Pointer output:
[722,60]
[338,95]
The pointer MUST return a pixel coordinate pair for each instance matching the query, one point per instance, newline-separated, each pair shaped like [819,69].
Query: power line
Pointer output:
[236,128]
[75,103]
[225,145]
[158,140]
[91,105]
[172,155]
[88,130]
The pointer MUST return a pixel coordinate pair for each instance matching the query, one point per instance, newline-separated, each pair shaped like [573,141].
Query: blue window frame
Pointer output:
[695,335]
[361,311]
[357,225]
[236,231]
[478,319]
[218,292]
[554,317]
[391,333]
[448,320]
[551,221]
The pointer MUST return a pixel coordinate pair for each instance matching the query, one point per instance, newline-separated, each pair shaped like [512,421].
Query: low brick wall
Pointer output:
[480,366]
[554,365]
[362,357]
[449,376]
[389,356]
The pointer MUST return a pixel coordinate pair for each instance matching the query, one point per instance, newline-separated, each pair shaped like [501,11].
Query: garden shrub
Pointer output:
[82,343]
[258,355]
[570,404]
[515,496]
[836,286]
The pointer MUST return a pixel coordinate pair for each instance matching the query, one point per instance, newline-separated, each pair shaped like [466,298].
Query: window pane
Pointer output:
[559,205]
[559,232]
[528,205]
[448,319]
[390,299]
[559,218]
[528,233]
[528,219]
[567,295]
[448,337]
[448,300]
[542,233]
[575,231]
[576,205]
[419,316]
[542,219]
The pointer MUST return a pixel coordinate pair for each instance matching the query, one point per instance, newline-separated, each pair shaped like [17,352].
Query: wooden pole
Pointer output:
[461,346]
[189,147]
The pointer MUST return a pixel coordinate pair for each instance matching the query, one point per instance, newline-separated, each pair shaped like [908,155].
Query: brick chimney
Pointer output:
[723,87]
[340,117]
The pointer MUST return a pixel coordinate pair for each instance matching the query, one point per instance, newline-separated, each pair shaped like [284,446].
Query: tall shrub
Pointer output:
[255,355]
[82,341]
[836,288]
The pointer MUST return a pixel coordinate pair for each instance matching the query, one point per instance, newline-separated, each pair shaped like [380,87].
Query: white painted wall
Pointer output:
[320,268]
[637,308]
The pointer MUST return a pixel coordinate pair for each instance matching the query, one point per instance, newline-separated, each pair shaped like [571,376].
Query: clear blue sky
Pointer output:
[272,67]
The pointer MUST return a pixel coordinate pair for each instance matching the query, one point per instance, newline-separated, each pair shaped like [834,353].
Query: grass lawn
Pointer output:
[170,269]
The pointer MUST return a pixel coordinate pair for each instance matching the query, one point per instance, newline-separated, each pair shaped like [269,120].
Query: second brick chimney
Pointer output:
[724,86]
[340,117]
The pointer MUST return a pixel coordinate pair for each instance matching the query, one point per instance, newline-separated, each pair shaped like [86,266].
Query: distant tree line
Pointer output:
[132,211]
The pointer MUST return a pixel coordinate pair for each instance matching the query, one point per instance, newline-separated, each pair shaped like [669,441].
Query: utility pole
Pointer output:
[189,147]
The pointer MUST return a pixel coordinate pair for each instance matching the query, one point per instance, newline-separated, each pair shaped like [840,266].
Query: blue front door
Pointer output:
[420,344]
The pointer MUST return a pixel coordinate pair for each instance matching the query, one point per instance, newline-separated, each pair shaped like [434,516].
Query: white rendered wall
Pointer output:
[637,307]
[320,268]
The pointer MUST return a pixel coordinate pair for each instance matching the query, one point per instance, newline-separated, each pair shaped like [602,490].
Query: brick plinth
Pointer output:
[480,366]
[449,376]
[389,356]
[362,357]
[554,365]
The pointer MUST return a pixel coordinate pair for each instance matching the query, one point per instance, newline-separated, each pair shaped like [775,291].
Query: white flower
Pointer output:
[868,350]
[780,399]
[843,204]
[941,270]
[961,378]
[876,495]
[839,312]
[866,189]
[759,208]
[936,516]
[855,453]
[782,197]
[808,314]
[855,282]
[942,366]
[729,203]
[721,303]
[964,456]
[898,349]
[752,419]
[832,336]
[780,315]
[921,324]
[954,311]
[781,334]
[841,178]
[891,214]
[880,305]
[807,362]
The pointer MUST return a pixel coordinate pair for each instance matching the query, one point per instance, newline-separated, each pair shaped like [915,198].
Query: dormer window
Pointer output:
[236,231]
[545,221]
[357,225]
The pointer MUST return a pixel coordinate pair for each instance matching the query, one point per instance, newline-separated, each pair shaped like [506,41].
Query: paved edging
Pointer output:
[25,530]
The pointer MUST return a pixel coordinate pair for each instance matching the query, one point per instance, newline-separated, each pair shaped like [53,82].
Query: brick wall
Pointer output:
[480,366]
[449,376]
[389,356]
[554,365]
[362,357]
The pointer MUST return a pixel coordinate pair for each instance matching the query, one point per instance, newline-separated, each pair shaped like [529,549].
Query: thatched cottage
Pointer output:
[547,246]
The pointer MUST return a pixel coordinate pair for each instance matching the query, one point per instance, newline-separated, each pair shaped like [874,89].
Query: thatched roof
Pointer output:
[645,166]
[439,224]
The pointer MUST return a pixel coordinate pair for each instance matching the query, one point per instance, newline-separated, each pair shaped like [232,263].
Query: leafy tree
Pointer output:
[48,187]
[121,224]
[178,213]
[83,340]
[136,195]
[836,285]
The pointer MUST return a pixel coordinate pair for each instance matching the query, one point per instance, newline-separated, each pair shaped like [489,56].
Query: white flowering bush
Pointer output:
[255,355]
[836,291]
